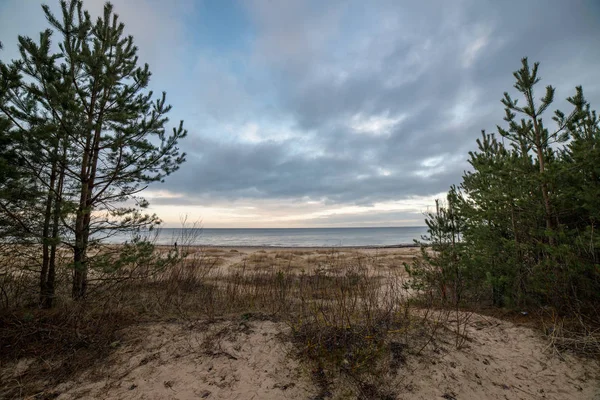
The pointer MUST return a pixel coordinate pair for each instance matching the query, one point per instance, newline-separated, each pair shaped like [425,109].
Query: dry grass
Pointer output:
[352,319]
[41,348]
[572,333]
[347,326]
[340,311]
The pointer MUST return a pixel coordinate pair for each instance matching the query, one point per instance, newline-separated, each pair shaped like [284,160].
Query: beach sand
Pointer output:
[254,358]
[255,361]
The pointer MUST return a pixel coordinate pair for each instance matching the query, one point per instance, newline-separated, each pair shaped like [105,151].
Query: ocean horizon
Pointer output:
[283,237]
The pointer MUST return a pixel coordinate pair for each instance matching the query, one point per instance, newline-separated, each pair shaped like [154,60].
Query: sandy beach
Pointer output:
[502,361]
[252,356]
[301,258]
[304,200]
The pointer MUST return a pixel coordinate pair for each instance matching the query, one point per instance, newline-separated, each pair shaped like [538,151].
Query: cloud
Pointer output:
[316,113]
[294,213]
[374,124]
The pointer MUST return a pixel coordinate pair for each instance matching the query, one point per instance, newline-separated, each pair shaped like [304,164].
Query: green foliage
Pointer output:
[86,135]
[528,210]
[440,251]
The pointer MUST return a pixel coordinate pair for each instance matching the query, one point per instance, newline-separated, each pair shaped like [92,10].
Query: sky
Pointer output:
[335,113]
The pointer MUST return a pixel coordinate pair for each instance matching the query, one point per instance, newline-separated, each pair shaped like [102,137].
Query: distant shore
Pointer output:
[283,238]
[260,247]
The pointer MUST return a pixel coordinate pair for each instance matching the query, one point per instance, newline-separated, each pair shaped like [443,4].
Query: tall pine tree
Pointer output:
[528,208]
[101,133]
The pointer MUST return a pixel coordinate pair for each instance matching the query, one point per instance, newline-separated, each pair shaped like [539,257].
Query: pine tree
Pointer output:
[89,132]
[439,270]
[529,207]
[498,211]
[122,138]
[579,205]
[531,133]
[11,182]
[30,91]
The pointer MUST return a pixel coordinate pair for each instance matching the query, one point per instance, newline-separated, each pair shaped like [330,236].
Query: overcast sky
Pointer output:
[335,113]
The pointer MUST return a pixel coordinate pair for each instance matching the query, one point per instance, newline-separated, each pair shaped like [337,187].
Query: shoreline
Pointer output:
[247,246]
[274,247]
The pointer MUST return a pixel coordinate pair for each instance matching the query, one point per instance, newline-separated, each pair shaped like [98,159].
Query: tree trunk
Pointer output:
[48,300]
[79,256]
[46,257]
[84,214]
[79,259]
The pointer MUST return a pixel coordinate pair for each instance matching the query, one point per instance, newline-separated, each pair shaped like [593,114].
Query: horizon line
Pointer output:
[298,227]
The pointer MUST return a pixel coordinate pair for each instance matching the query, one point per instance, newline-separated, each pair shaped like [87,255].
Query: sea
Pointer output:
[284,237]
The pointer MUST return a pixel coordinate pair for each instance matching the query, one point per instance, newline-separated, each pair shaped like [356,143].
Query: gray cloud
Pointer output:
[443,69]
[357,103]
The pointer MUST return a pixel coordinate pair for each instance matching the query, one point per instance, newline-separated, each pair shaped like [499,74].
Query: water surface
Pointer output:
[286,237]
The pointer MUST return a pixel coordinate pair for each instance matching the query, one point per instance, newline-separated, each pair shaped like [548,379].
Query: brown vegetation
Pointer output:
[356,329]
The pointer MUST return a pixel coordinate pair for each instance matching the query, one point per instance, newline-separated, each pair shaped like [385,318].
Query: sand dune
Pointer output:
[252,356]
[254,360]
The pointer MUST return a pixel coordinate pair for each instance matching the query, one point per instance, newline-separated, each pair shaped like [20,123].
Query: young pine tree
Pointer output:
[439,271]
[30,89]
[529,205]
[89,131]
[121,135]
